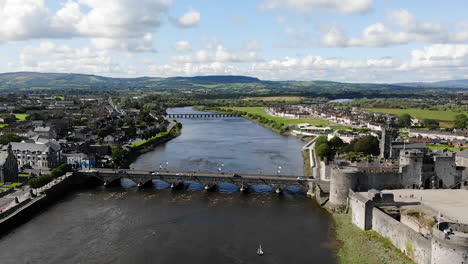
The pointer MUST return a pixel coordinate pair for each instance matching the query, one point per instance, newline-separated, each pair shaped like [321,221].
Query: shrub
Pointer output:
[39,181]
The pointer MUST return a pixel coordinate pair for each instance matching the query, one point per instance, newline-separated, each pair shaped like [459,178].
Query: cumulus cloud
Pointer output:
[253,46]
[305,6]
[431,63]
[118,24]
[23,19]
[50,57]
[189,19]
[400,27]
[220,55]
[182,46]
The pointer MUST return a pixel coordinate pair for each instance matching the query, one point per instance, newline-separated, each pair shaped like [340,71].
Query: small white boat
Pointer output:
[260,251]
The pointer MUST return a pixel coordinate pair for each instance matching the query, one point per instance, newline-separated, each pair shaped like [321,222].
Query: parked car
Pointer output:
[122,171]
[236,176]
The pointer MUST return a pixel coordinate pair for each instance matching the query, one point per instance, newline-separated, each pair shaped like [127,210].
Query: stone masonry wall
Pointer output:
[403,237]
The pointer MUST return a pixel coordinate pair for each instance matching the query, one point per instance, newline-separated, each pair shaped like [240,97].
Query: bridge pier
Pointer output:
[210,187]
[244,189]
[112,183]
[142,185]
[177,186]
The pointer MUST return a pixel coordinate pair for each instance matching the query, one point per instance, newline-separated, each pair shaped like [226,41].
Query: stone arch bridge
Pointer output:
[214,115]
[210,180]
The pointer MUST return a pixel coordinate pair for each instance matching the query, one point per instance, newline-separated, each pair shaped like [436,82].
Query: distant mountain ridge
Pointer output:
[460,84]
[221,85]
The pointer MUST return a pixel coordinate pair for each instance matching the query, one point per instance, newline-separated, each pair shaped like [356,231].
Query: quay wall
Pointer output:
[35,205]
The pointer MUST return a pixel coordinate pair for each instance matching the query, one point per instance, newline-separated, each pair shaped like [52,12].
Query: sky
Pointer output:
[337,40]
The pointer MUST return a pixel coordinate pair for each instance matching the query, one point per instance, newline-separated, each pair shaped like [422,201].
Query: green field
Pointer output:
[442,147]
[357,246]
[277,98]
[21,117]
[286,121]
[420,114]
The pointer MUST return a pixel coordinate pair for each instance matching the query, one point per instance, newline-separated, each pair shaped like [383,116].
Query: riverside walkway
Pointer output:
[209,179]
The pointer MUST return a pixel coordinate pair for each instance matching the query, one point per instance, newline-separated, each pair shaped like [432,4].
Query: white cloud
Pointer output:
[439,55]
[145,44]
[23,19]
[431,63]
[119,24]
[220,55]
[189,19]
[182,46]
[211,43]
[400,27]
[50,57]
[305,6]
[253,46]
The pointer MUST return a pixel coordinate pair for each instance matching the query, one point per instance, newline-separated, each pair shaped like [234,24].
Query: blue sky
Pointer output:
[338,40]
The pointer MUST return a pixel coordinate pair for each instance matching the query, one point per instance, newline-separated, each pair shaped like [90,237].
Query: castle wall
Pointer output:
[449,251]
[379,181]
[361,209]
[446,171]
[404,238]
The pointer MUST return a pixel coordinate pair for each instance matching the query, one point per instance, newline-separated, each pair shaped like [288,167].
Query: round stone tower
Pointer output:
[341,181]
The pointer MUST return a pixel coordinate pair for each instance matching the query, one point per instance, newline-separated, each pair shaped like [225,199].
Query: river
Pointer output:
[128,225]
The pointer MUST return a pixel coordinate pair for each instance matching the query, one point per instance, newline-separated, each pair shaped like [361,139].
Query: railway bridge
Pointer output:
[209,179]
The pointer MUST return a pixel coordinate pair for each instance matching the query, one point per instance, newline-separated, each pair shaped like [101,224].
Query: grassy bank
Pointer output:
[363,247]
[261,112]
[442,147]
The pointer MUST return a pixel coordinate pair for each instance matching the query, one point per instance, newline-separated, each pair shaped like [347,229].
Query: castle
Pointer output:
[354,186]
[402,166]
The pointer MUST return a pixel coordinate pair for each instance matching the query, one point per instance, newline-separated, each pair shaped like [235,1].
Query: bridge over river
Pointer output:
[209,179]
[214,115]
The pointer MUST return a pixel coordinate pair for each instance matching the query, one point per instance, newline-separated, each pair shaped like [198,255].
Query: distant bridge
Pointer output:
[210,180]
[201,115]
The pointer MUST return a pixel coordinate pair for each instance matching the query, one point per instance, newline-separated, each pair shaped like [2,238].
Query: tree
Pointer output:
[10,137]
[336,142]
[320,140]
[367,145]
[120,157]
[405,120]
[323,150]
[430,123]
[461,121]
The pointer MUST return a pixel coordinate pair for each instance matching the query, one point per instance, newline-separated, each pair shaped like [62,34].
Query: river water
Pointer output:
[128,225]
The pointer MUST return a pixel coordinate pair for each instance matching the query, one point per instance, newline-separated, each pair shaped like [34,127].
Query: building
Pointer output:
[37,155]
[80,160]
[8,166]
[45,132]
[415,170]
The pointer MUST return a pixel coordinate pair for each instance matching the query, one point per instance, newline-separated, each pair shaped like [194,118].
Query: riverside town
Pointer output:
[323,132]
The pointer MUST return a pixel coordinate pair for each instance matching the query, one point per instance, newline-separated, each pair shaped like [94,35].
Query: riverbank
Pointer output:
[271,123]
[351,245]
[134,151]
[356,246]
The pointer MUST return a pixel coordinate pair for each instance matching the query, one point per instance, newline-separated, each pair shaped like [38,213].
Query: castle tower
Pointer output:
[385,143]
[411,167]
